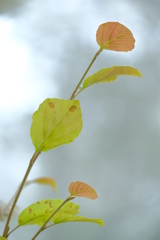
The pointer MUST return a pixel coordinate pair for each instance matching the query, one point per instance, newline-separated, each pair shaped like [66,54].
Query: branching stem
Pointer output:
[44,225]
[81,80]
[33,159]
[12,230]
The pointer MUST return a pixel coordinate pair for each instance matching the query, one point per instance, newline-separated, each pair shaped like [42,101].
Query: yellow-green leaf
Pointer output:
[71,218]
[81,189]
[56,122]
[2,238]
[110,74]
[39,212]
[44,181]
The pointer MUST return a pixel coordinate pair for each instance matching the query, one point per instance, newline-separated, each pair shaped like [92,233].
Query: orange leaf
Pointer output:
[81,189]
[46,181]
[43,180]
[115,36]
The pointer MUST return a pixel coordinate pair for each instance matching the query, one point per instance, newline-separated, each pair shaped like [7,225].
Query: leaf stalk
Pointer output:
[44,225]
[81,80]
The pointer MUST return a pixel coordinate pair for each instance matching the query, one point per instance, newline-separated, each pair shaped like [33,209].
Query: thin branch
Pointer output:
[33,159]
[12,230]
[81,80]
[44,225]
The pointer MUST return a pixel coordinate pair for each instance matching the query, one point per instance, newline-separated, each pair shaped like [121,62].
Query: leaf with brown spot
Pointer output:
[51,104]
[56,122]
[73,109]
[38,213]
[81,189]
[115,36]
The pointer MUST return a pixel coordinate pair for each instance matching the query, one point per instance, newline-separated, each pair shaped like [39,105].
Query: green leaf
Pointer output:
[2,238]
[71,218]
[110,74]
[39,212]
[56,122]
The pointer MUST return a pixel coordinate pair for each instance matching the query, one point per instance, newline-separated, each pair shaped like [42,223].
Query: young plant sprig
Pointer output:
[76,189]
[59,121]
[54,211]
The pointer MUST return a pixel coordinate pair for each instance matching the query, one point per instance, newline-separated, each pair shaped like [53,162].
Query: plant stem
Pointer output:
[34,157]
[71,98]
[6,208]
[43,226]
[12,230]
[94,58]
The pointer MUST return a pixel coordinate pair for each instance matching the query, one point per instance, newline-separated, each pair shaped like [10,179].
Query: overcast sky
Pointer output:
[44,49]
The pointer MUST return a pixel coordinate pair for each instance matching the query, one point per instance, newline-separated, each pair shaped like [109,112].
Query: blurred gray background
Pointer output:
[45,47]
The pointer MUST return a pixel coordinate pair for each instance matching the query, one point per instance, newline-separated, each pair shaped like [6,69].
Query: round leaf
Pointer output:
[81,189]
[115,36]
[56,122]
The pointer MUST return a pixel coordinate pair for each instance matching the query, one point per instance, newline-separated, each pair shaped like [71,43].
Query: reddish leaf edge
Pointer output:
[93,192]
[104,47]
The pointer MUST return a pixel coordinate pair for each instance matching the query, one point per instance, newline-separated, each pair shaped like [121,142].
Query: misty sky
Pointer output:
[45,48]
